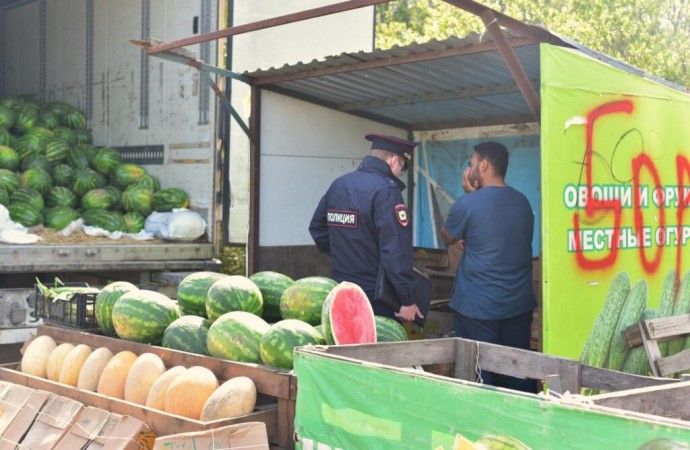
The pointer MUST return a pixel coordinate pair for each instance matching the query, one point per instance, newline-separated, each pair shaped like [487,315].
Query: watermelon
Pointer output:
[49,119]
[134,223]
[104,304]
[64,134]
[116,194]
[106,160]
[78,156]
[127,174]
[279,341]
[40,133]
[58,217]
[35,162]
[304,299]
[82,136]
[25,215]
[6,117]
[9,180]
[389,330]
[5,137]
[142,316]
[85,179]
[29,197]
[233,293]
[38,179]
[56,150]
[58,107]
[149,182]
[97,199]
[9,159]
[272,285]
[26,118]
[137,199]
[28,145]
[4,197]
[192,291]
[74,119]
[187,334]
[169,199]
[237,336]
[62,175]
[61,196]
[104,219]
[347,316]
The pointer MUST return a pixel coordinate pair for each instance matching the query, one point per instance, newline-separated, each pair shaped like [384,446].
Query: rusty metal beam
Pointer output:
[508,22]
[253,262]
[428,56]
[268,23]
[513,63]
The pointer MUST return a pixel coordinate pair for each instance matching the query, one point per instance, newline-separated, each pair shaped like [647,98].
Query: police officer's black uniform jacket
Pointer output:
[362,221]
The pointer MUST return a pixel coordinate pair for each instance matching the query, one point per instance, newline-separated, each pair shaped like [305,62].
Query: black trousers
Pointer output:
[512,332]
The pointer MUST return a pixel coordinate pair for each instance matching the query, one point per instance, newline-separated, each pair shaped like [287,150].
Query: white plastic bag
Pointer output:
[178,225]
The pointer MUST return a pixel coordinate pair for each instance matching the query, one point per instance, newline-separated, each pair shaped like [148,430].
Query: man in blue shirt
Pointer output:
[363,223]
[492,297]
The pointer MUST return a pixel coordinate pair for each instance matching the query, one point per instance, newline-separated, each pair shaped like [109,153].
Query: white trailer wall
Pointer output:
[170,114]
[304,147]
[273,47]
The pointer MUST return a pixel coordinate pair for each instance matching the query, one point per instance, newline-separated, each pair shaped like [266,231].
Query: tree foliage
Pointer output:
[653,35]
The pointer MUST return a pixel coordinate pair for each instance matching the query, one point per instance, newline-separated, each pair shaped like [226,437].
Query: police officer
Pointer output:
[363,223]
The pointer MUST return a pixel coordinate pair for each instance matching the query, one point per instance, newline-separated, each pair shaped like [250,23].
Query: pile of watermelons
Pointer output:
[260,319]
[51,174]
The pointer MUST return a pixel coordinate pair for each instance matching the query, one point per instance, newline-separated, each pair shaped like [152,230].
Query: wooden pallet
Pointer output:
[275,386]
[652,331]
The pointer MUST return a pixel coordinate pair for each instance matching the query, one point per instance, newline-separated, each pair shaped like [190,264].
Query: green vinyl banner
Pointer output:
[615,185]
[355,405]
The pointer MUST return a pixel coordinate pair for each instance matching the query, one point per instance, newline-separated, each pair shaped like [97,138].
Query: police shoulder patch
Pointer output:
[401,214]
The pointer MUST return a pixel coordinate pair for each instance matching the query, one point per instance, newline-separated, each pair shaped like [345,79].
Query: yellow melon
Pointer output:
[35,358]
[114,376]
[144,372]
[157,393]
[188,393]
[236,397]
[71,365]
[92,368]
[55,360]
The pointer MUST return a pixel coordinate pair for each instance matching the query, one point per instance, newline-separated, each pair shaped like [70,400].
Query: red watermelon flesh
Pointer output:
[347,316]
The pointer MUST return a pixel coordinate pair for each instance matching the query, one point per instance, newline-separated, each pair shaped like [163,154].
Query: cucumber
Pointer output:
[599,340]
[631,312]
[682,306]
[637,362]
[668,295]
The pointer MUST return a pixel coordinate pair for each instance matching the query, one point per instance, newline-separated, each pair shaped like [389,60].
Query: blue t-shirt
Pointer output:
[494,279]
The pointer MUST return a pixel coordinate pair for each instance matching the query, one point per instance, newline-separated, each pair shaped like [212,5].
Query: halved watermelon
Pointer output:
[347,316]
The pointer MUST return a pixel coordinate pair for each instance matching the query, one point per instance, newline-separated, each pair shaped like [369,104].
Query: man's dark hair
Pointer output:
[496,154]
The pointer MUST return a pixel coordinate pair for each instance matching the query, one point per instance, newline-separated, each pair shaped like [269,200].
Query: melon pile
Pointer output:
[51,174]
[192,392]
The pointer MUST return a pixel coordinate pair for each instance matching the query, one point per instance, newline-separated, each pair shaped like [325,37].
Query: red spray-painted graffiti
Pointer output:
[594,205]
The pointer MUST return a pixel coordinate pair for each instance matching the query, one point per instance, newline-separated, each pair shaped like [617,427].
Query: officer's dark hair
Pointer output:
[496,154]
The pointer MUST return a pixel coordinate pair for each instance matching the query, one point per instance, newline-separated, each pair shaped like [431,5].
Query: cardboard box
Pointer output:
[55,419]
[245,436]
[96,428]
[24,419]
[12,400]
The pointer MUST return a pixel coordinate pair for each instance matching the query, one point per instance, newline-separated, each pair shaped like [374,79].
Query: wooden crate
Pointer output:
[274,385]
[458,358]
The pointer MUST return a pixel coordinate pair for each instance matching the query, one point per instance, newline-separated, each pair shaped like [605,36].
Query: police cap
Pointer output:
[392,144]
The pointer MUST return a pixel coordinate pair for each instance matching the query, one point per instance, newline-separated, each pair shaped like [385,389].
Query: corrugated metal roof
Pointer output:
[454,82]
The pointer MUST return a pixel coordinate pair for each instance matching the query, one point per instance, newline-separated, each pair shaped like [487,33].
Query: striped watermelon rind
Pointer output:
[304,299]
[233,293]
[9,180]
[347,316]
[192,291]
[279,341]
[58,217]
[143,315]
[9,158]
[272,285]
[61,196]
[389,330]
[187,334]
[169,199]
[104,304]
[236,336]
[97,199]
[25,215]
